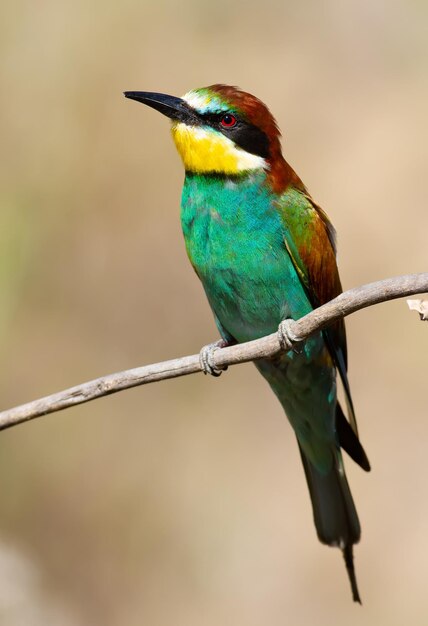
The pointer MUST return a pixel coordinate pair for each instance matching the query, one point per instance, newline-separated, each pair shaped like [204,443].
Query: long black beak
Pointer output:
[175,108]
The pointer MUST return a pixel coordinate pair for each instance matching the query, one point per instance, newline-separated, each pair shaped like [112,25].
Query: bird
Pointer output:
[266,252]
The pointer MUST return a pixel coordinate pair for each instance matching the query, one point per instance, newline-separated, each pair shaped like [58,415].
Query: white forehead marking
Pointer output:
[204,101]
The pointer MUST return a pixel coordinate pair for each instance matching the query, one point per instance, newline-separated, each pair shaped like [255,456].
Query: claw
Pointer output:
[288,339]
[206,358]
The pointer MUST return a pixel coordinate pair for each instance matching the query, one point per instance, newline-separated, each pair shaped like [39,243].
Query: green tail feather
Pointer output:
[335,516]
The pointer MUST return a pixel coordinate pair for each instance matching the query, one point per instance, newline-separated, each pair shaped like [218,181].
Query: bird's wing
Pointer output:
[311,242]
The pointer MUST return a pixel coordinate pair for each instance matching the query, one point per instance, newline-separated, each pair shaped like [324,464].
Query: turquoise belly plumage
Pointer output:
[235,242]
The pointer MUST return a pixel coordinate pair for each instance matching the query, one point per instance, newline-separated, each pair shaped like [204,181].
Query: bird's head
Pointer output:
[223,130]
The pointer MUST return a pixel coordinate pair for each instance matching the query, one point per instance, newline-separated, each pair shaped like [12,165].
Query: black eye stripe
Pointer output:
[247,136]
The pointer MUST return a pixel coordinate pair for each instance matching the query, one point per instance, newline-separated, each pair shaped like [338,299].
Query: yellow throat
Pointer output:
[206,150]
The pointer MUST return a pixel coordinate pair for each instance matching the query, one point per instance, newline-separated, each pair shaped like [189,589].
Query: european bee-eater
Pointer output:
[265,251]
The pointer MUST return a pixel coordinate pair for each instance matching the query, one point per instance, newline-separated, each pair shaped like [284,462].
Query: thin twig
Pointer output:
[345,304]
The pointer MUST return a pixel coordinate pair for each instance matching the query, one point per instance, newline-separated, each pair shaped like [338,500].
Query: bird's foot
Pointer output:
[288,340]
[206,358]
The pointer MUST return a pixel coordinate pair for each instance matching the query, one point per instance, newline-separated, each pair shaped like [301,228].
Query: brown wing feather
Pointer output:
[323,274]
[311,241]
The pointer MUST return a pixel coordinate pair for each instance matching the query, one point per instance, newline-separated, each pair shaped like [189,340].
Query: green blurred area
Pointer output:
[184,502]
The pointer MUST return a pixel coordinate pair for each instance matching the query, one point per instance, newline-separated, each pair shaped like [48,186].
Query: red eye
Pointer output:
[228,121]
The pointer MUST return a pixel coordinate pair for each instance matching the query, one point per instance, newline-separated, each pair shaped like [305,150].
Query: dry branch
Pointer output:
[292,331]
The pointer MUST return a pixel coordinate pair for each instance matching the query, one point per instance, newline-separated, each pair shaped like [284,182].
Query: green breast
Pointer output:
[235,241]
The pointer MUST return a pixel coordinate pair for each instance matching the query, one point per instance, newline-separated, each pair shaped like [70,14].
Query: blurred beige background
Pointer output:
[184,502]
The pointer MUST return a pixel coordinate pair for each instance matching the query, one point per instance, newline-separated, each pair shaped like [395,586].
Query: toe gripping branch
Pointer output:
[206,358]
[288,340]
